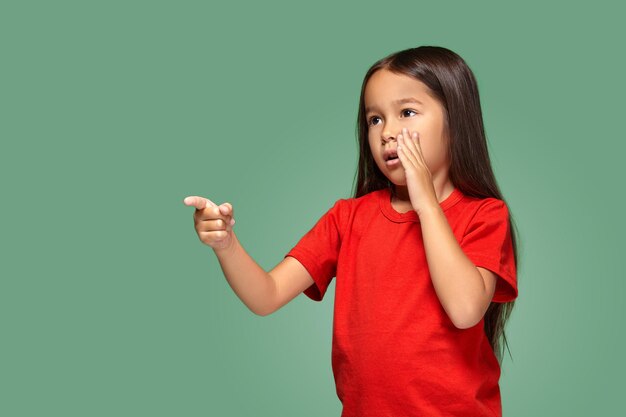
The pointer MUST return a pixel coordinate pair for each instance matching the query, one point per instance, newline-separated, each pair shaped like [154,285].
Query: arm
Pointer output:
[465,291]
[262,292]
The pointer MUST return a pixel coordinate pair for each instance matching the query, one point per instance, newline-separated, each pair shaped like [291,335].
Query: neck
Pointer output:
[443,188]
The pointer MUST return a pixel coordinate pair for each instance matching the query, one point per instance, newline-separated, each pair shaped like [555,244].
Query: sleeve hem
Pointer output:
[317,290]
[506,286]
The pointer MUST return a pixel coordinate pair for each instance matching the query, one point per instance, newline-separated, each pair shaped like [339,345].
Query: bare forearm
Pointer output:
[457,281]
[254,286]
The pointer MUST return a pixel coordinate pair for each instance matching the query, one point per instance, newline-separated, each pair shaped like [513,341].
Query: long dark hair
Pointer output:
[453,84]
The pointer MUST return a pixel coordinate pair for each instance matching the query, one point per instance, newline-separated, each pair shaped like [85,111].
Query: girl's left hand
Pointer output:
[418,177]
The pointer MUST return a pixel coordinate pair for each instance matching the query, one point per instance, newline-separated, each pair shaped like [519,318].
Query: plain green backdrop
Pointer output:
[112,112]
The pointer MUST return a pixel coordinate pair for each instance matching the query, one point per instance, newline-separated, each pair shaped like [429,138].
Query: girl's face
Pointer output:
[395,101]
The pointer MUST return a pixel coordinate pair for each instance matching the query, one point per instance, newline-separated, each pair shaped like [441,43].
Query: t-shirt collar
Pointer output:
[384,198]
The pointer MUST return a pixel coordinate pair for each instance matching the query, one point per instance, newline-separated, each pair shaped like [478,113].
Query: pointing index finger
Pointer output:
[199,202]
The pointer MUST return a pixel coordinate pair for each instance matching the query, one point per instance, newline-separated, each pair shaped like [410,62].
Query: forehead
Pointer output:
[385,87]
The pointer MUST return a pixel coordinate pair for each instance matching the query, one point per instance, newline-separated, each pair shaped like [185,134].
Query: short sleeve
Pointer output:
[487,243]
[318,250]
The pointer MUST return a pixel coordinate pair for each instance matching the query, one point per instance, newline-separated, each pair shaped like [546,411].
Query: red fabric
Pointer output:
[395,352]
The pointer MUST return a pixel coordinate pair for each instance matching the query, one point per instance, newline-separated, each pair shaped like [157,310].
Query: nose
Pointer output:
[388,136]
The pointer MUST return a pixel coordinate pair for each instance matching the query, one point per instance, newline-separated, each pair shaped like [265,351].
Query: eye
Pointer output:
[370,123]
[408,110]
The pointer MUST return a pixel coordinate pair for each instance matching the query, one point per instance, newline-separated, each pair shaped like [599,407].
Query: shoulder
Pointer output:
[349,204]
[488,219]
[491,207]
[471,213]
[340,211]
[345,211]
[484,207]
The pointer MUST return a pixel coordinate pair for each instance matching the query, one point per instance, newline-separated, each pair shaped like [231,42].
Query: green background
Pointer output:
[112,112]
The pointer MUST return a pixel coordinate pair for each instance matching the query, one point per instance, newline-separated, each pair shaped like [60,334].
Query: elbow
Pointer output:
[462,325]
[468,312]
[465,319]
[266,305]
[262,311]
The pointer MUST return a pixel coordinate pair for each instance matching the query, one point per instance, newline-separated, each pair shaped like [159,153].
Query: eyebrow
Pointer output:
[400,101]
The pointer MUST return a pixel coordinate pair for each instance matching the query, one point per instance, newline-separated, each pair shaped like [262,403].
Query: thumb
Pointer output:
[226,208]
[198,202]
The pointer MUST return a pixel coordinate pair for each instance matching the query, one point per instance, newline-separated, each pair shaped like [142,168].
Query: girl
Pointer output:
[424,254]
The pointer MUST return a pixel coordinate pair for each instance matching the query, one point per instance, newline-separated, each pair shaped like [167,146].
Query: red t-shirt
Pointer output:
[395,352]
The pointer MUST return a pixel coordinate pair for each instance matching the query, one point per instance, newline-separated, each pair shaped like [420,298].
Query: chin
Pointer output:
[397,179]
[396,176]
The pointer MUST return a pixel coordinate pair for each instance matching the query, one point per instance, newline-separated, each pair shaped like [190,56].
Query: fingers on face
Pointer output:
[412,142]
[411,138]
[407,148]
[415,142]
[416,139]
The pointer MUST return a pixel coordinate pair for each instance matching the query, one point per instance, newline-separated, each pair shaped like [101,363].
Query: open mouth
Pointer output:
[391,158]
[390,155]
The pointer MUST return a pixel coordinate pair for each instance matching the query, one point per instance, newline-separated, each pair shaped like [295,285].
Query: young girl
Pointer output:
[424,254]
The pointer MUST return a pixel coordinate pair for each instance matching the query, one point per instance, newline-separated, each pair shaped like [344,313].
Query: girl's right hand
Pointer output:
[213,223]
